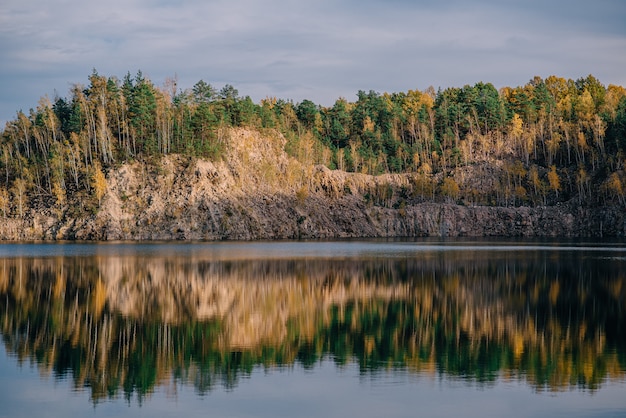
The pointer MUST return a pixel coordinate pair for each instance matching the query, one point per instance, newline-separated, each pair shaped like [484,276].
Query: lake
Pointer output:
[314,329]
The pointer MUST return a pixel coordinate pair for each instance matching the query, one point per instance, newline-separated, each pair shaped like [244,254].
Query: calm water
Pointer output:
[319,329]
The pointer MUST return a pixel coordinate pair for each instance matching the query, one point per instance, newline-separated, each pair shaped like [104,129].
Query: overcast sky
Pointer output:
[319,50]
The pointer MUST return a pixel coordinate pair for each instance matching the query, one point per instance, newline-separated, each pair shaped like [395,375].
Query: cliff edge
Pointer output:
[258,192]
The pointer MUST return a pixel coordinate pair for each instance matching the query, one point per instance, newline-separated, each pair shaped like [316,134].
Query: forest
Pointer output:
[551,140]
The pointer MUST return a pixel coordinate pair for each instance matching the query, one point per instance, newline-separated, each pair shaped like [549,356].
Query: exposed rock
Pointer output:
[258,192]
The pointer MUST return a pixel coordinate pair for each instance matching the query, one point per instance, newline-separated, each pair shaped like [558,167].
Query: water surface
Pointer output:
[374,328]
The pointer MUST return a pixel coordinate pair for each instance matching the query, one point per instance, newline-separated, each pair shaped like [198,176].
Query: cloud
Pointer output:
[294,50]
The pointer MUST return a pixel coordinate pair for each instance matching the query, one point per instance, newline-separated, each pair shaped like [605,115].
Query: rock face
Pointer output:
[258,192]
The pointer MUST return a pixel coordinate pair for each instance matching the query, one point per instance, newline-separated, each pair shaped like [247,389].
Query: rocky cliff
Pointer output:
[258,192]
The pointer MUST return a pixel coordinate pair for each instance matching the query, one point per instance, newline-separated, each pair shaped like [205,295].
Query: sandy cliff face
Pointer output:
[258,192]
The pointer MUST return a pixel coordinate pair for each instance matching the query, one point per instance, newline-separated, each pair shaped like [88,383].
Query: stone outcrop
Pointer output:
[258,192]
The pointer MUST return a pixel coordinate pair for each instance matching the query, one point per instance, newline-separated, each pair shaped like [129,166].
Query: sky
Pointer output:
[294,50]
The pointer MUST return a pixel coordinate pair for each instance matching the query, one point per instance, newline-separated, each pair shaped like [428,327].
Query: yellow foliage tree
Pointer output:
[521,194]
[535,182]
[19,193]
[616,187]
[4,201]
[554,181]
[59,193]
[450,188]
[516,129]
[99,183]
[368,125]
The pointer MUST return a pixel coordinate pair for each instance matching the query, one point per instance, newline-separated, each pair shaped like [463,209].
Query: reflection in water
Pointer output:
[122,325]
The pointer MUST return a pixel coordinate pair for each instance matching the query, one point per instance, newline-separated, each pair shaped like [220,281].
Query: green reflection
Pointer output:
[120,326]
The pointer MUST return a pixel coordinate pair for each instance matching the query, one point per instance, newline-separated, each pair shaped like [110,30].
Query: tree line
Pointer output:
[550,140]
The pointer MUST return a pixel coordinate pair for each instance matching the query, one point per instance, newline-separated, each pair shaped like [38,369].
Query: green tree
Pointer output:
[307,112]
[140,97]
[203,92]
[337,122]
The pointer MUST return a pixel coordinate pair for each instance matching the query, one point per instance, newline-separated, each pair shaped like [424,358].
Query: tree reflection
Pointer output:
[120,326]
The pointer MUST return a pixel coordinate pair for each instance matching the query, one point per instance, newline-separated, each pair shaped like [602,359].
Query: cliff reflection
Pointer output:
[123,325]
